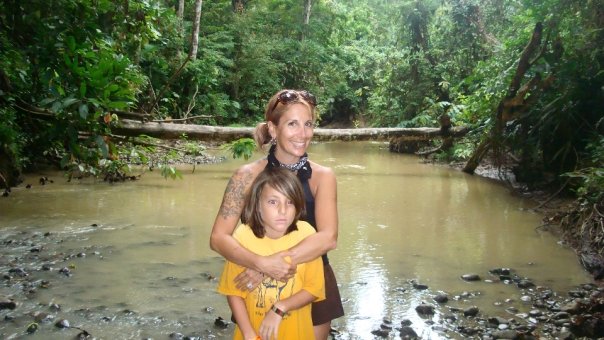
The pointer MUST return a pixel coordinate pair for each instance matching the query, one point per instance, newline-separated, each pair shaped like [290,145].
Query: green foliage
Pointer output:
[369,62]
[193,149]
[10,136]
[83,90]
[458,153]
[243,147]
[431,112]
[590,186]
[168,171]
[12,69]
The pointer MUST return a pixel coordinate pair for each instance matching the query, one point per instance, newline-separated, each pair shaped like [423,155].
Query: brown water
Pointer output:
[145,268]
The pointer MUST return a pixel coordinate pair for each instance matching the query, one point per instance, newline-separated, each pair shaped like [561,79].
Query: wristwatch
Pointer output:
[278,311]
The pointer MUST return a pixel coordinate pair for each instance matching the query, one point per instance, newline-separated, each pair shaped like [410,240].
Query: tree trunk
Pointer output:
[195,33]
[238,9]
[180,10]
[305,26]
[515,102]
[238,6]
[307,7]
[226,134]
[9,173]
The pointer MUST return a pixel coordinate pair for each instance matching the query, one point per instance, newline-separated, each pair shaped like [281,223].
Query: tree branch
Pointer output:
[524,62]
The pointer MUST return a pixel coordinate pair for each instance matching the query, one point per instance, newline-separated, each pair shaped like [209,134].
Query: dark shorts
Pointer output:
[330,308]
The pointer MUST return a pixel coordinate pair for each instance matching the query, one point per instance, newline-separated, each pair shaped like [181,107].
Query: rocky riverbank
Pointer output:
[31,262]
[578,313]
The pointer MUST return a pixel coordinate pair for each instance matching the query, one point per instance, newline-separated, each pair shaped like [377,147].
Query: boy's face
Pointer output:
[277,212]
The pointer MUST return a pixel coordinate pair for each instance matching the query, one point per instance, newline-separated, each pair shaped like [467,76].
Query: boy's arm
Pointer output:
[239,310]
[270,325]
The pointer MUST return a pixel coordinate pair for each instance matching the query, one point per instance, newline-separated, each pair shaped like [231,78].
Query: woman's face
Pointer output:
[293,134]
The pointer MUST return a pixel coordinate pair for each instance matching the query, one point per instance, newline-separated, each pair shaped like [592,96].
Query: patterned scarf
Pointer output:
[302,166]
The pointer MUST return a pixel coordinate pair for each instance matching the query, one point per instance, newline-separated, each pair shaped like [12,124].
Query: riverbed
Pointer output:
[131,260]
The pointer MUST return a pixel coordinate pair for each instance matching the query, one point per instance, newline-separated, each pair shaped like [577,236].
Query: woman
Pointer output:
[290,116]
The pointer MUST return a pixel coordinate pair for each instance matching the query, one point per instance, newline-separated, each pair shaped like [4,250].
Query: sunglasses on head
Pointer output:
[290,96]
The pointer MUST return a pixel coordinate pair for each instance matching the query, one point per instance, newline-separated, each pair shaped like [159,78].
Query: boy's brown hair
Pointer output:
[285,182]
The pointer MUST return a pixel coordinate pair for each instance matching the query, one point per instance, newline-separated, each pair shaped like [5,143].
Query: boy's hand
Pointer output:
[251,336]
[269,328]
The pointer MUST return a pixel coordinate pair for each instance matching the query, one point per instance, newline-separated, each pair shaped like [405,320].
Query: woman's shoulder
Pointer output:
[322,177]
[321,170]
[250,169]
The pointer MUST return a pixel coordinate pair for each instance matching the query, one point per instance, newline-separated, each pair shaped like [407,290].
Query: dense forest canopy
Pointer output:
[71,69]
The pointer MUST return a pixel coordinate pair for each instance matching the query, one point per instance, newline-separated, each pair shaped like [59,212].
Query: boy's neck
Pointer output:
[273,234]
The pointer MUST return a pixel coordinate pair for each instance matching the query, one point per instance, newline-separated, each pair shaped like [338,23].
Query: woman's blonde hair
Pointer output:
[274,111]
[285,182]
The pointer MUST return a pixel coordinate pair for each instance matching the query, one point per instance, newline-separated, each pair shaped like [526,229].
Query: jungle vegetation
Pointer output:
[71,69]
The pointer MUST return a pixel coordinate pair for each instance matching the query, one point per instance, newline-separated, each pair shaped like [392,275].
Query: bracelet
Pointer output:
[278,311]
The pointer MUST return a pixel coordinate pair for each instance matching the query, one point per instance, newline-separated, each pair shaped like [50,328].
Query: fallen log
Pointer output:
[208,133]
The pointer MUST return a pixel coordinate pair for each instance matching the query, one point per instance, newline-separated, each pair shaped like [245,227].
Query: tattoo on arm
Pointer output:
[234,195]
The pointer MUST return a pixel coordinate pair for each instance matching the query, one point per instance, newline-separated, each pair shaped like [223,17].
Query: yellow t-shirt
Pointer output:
[296,324]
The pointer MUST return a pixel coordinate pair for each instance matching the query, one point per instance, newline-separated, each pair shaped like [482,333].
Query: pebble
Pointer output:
[62,323]
[505,334]
[380,333]
[221,323]
[425,309]
[500,271]
[419,286]
[512,310]
[525,284]
[32,328]
[65,271]
[472,311]
[407,332]
[498,320]
[8,304]
[535,313]
[470,277]
[441,298]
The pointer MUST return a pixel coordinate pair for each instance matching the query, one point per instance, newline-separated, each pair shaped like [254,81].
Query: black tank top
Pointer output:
[310,211]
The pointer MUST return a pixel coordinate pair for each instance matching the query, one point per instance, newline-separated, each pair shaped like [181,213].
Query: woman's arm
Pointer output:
[239,310]
[272,320]
[222,241]
[326,214]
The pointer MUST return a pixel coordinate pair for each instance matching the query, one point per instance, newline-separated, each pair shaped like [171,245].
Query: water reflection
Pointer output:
[147,270]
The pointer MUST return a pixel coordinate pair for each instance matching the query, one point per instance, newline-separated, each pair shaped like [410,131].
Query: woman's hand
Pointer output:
[269,328]
[249,279]
[278,266]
